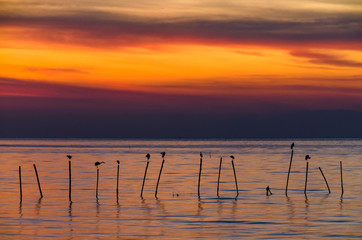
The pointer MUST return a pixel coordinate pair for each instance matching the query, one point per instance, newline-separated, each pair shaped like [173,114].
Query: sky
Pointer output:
[179,68]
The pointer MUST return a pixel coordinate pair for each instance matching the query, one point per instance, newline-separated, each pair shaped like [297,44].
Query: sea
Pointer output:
[308,211]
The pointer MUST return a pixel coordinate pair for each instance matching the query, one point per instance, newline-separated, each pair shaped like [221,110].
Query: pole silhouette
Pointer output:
[97,165]
[159,175]
[198,186]
[117,178]
[236,181]
[329,191]
[20,185]
[306,175]
[340,167]
[290,166]
[218,178]
[37,178]
[70,177]
[144,175]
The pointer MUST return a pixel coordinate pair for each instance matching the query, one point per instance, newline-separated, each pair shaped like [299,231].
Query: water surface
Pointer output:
[178,213]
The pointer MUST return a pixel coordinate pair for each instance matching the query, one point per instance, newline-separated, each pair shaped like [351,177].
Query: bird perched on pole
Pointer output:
[307,157]
[98,163]
[201,155]
[69,156]
[148,156]
[163,154]
[232,157]
[292,146]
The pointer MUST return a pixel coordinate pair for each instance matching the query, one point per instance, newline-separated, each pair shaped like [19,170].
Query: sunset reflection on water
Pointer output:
[178,213]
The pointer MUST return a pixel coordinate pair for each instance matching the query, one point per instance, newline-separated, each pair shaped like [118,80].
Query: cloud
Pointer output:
[52,70]
[209,95]
[103,29]
[326,59]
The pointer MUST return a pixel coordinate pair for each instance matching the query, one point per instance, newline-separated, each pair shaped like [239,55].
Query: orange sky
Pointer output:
[185,47]
[180,68]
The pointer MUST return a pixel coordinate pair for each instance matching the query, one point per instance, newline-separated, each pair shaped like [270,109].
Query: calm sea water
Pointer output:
[178,213]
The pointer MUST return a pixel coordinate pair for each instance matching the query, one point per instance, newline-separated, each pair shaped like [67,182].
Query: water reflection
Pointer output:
[234,208]
[291,208]
[200,208]
[160,205]
[70,222]
[118,209]
[324,198]
[219,207]
[37,206]
[21,209]
[146,207]
[97,207]
[184,216]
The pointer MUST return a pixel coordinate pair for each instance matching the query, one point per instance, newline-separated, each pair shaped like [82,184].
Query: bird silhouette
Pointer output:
[148,156]
[69,156]
[163,154]
[307,157]
[201,155]
[232,157]
[118,161]
[268,192]
[98,163]
[292,146]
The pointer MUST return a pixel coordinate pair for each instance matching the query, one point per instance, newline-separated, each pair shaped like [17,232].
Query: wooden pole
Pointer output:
[218,178]
[144,178]
[329,191]
[70,180]
[198,186]
[20,185]
[37,178]
[159,176]
[340,166]
[236,181]
[290,166]
[117,180]
[306,180]
[97,182]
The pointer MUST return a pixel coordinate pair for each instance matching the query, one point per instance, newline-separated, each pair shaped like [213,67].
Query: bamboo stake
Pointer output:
[37,178]
[198,186]
[290,165]
[218,178]
[159,175]
[236,181]
[340,167]
[329,191]
[20,185]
